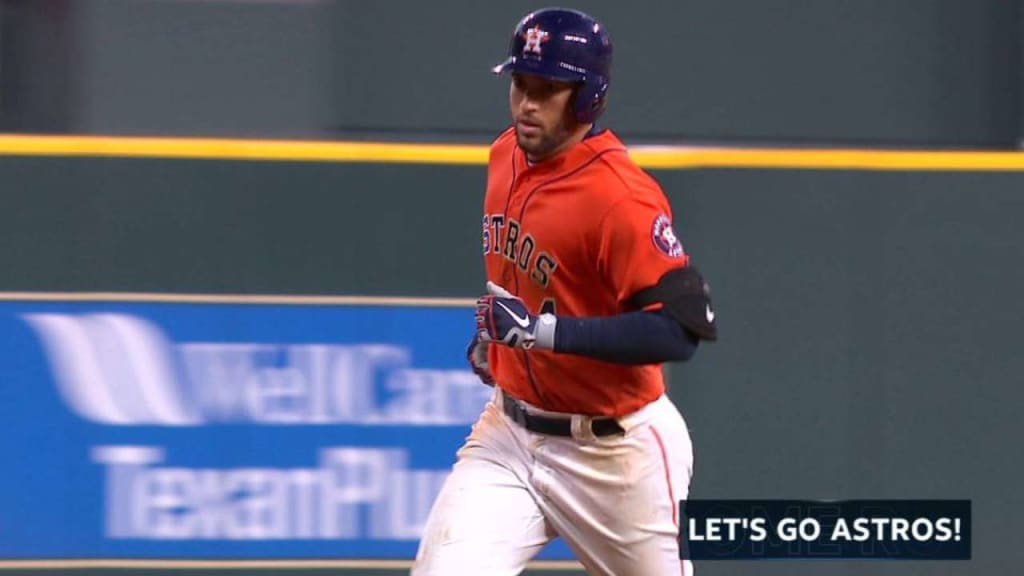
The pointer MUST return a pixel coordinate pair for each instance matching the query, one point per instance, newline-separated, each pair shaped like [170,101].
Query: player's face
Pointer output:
[540,109]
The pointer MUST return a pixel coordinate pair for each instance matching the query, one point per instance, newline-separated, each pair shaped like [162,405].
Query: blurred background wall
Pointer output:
[872,72]
[870,320]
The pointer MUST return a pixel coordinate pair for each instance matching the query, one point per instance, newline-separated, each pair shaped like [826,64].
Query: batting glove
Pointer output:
[477,356]
[503,318]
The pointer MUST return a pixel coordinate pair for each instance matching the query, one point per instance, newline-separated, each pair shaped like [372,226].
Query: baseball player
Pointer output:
[589,292]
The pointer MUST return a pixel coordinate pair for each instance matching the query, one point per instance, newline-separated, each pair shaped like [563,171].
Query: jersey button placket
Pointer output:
[515,205]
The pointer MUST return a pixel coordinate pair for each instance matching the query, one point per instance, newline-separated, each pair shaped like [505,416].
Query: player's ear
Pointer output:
[570,106]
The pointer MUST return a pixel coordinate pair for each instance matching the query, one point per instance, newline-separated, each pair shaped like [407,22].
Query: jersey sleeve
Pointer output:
[638,245]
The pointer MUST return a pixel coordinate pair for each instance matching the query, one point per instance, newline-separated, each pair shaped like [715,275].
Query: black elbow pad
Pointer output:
[686,297]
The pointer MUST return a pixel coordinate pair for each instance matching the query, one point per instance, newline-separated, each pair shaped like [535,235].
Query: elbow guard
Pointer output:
[686,297]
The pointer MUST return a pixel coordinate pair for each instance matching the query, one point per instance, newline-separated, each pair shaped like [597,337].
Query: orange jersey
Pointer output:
[577,235]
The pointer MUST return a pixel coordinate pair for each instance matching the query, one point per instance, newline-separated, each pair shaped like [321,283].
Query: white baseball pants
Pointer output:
[613,499]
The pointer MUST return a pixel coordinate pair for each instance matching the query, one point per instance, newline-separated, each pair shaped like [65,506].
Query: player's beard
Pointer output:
[548,141]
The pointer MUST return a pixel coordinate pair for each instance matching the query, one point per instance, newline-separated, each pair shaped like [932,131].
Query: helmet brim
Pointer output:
[537,68]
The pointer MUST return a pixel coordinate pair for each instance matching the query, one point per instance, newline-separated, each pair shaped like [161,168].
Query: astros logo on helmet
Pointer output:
[534,38]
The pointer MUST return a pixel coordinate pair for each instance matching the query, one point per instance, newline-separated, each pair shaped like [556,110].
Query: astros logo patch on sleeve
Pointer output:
[665,238]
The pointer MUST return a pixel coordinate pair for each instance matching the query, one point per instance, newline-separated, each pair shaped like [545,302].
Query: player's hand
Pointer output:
[503,318]
[477,356]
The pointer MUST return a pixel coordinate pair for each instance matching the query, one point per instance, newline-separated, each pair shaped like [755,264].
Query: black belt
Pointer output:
[553,425]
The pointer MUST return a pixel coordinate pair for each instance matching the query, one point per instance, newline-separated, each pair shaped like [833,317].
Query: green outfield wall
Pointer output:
[942,73]
[870,320]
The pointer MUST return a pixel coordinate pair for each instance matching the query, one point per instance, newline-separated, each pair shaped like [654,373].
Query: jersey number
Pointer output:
[548,307]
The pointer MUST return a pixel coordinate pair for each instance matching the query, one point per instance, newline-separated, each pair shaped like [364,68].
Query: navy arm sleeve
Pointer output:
[630,338]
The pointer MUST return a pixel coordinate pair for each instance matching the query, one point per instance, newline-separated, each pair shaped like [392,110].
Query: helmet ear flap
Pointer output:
[590,99]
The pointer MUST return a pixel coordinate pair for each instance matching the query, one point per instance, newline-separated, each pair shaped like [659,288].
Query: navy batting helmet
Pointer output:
[565,45]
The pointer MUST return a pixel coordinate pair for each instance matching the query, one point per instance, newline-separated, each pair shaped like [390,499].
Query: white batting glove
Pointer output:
[496,290]
[503,318]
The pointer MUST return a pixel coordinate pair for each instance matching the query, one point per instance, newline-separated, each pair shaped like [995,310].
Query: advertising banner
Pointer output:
[218,430]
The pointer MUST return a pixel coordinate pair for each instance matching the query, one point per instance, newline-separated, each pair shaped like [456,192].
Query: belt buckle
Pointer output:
[582,427]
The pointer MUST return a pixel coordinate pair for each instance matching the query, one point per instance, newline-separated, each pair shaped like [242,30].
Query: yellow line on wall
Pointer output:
[663,157]
[228,149]
[831,159]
